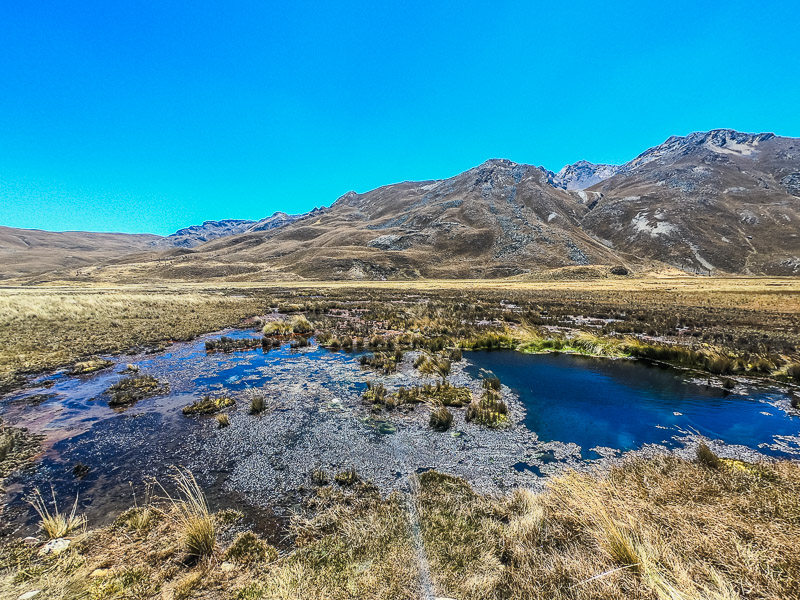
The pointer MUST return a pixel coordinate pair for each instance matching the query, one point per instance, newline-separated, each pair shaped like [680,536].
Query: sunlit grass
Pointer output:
[54,523]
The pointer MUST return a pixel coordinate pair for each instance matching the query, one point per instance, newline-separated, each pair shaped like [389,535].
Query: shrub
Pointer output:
[795,401]
[793,371]
[441,419]
[223,421]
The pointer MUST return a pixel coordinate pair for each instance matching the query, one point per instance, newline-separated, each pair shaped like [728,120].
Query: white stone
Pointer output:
[56,546]
[29,595]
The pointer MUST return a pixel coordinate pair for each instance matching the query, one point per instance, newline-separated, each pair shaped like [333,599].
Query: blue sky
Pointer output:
[147,116]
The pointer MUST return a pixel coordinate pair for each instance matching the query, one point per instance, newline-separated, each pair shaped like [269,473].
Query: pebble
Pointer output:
[227,567]
[29,595]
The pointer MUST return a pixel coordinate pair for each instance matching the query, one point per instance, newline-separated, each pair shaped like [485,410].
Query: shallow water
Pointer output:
[624,404]
[317,419]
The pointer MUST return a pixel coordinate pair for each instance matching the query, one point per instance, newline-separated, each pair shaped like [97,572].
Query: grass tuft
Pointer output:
[441,419]
[56,524]
[193,515]
[248,548]
[208,405]
[706,457]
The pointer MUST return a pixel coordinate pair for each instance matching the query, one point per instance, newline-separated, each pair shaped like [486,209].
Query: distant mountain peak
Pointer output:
[581,175]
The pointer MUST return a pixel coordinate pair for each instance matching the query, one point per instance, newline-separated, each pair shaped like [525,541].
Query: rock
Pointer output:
[30,541]
[227,567]
[29,595]
[56,546]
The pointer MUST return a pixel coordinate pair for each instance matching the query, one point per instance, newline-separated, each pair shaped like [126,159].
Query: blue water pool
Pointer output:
[624,404]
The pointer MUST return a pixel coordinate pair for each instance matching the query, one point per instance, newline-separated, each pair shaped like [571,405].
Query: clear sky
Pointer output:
[147,116]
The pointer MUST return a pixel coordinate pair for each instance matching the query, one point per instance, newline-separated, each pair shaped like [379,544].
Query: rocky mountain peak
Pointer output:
[581,175]
[720,142]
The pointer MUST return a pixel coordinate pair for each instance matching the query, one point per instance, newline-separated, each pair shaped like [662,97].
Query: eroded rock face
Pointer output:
[792,184]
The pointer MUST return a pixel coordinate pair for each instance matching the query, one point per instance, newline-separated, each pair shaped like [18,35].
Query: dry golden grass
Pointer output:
[658,529]
[47,327]
[353,544]
[194,518]
[662,529]
[42,329]
[53,522]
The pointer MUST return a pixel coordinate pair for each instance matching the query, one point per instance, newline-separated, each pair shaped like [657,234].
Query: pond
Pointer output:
[624,404]
[562,407]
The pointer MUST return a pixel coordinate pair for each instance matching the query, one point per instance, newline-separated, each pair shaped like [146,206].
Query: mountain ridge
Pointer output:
[716,202]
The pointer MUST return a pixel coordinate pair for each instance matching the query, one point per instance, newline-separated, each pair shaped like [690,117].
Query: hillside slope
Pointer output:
[498,219]
[29,251]
[711,202]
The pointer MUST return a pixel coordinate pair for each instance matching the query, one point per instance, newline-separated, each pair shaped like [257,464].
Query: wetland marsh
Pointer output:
[321,400]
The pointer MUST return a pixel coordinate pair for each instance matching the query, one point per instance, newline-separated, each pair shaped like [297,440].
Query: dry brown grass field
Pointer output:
[660,529]
[44,327]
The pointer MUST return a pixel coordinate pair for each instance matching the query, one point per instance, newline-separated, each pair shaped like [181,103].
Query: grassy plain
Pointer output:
[46,327]
[651,529]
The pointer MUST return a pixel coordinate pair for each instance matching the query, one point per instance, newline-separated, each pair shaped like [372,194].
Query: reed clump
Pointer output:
[228,344]
[130,390]
[208,405]
[382,362]
[430,364]
[489,410]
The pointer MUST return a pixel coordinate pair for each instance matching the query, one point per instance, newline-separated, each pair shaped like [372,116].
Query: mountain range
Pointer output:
[717,202]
